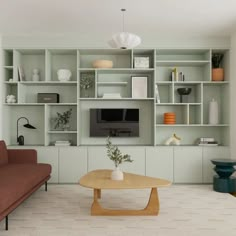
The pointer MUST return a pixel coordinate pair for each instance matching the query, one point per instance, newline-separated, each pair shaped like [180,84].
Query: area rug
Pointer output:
[190,210]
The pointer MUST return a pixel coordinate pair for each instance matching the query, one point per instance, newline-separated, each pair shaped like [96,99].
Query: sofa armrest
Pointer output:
[22,156]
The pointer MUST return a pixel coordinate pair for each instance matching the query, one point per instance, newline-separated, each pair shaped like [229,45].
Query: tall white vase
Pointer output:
[117,174]
[213,112]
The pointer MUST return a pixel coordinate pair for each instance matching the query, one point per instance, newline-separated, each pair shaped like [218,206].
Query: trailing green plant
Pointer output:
[115,154]
[216,59]
[62,118]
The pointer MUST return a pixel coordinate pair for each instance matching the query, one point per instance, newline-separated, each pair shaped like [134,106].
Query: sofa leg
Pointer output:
[6,222]
[46,186]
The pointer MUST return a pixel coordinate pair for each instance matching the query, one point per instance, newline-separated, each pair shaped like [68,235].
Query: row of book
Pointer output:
[177,76]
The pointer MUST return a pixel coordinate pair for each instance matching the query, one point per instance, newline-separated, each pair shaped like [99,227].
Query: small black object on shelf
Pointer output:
[20,139]
[182,92]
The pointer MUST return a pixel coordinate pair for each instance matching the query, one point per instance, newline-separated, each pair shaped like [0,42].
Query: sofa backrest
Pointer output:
[3,153]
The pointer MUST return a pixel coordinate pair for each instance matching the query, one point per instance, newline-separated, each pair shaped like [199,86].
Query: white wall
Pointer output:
[93,41]
[232,96]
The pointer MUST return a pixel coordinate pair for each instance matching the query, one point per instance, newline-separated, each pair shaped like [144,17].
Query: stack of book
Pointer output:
[62,143]
[177,76]
[207,142]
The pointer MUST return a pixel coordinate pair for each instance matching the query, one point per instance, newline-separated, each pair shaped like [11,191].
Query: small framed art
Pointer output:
[141,62]
[139,86]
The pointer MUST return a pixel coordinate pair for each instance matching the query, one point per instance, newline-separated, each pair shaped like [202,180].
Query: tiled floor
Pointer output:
[187,210]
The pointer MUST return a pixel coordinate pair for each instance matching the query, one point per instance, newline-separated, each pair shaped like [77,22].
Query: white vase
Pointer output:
[64,75]
[213,112]
[117,174]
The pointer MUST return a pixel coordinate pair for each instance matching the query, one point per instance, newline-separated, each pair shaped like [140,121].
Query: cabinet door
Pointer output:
[188,164]
[160,162]
[49,155]
[210,153]
[137,154]
[98,159]
[72,164]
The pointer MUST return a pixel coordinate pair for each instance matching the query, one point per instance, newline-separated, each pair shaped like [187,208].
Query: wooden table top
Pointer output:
[101,179]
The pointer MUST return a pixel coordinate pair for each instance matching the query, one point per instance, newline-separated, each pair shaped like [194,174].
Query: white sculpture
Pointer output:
[35,75]
[11,98]
[173,140]
[64,75]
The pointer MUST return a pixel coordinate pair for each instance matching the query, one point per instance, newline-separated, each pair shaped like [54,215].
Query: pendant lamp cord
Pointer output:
[123,10]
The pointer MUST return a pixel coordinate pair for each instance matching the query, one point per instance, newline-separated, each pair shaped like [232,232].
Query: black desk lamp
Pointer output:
[20,139]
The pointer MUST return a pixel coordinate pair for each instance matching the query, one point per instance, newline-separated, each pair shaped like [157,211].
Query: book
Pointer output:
[21,74]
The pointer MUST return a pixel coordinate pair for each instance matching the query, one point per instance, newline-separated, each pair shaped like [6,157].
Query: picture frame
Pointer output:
[139,86]
[21,74]
[141,62]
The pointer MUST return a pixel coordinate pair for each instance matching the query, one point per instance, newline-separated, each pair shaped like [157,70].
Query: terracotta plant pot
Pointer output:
[217,74]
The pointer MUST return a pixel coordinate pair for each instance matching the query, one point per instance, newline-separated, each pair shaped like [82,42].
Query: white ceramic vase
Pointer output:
[117,174]
[64,75]
[213,112]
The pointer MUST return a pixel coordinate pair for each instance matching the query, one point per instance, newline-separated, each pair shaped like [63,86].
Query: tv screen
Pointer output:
[114,122]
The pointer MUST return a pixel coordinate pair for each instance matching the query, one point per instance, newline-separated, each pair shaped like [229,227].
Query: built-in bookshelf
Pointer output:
[191,114]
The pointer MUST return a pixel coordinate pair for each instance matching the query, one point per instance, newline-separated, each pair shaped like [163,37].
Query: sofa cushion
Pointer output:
[18,179]
[3,153]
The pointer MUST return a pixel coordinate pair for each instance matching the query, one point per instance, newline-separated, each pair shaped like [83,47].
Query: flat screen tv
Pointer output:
[114,122]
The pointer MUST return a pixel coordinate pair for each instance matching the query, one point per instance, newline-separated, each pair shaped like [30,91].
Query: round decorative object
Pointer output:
[64,75]
[182,92]
[103,64]
[117,174]
[217,74]
[169,118]
[11,98]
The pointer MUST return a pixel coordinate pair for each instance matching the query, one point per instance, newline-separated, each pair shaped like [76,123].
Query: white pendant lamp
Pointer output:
[124,39]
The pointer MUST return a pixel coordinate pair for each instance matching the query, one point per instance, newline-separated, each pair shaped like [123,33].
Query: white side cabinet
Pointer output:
[188,164]
[72,164]
[49,155]
[160,162]
[210,153]
[97,159]
[138,156]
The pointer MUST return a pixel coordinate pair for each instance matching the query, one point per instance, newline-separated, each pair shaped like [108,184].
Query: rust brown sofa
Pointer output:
[20,176]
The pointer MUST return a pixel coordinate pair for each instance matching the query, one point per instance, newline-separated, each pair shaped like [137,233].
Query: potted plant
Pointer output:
[86,82]
[62,120]
[217,72]
[118,158]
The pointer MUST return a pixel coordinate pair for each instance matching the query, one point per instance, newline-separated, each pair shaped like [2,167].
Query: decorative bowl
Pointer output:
[184,91]
[64,75]
[103,64]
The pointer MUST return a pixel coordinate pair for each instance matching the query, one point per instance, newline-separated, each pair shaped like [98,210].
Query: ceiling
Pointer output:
[102,18]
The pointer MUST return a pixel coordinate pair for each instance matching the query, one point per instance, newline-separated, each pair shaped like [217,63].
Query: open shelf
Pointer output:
[120,58]
[191,114]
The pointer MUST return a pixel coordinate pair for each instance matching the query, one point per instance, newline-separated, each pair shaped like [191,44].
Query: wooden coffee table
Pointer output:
[101,179]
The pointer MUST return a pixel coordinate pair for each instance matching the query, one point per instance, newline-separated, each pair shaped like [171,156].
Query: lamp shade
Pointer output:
[124,40]
[29,126]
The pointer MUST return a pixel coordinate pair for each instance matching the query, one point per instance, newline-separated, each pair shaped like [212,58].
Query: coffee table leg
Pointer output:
[99,193]
[153,203]
[152,207]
